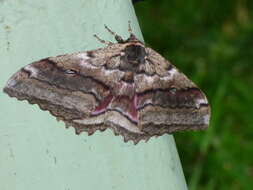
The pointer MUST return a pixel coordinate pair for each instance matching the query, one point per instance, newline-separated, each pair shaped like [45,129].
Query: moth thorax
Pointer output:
[134,55]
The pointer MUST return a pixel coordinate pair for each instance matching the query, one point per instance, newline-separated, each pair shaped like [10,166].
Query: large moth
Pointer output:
[125,86]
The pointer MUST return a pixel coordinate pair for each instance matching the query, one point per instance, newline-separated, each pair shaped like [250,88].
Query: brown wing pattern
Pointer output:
[100,89]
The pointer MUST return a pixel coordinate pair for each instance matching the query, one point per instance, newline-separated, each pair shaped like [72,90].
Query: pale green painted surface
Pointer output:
[36,151]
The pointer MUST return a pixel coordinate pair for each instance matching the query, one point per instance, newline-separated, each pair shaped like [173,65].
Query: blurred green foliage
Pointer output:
[212,43]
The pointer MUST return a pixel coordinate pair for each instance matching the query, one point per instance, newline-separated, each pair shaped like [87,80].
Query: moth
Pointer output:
[125,86]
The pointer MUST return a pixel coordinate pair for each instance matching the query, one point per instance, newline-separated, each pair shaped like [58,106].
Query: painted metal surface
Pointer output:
[36,152]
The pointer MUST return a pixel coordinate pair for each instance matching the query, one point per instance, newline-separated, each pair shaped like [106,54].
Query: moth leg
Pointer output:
[132,36]
[116,36]
[102,41]
[129,27]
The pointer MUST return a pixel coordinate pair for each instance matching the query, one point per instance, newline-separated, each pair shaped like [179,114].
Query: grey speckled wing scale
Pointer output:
[125,86]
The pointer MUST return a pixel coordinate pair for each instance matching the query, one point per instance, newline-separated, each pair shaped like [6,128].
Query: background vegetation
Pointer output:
[212,43]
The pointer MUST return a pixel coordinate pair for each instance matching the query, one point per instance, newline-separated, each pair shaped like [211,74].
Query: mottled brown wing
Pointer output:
[168,101]
[70,86]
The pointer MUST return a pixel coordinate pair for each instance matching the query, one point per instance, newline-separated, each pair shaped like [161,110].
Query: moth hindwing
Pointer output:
[125,86]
